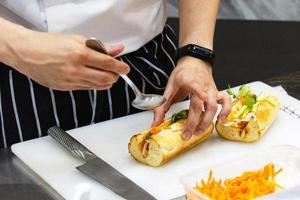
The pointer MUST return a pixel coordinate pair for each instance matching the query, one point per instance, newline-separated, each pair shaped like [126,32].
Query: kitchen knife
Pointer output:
[98,169]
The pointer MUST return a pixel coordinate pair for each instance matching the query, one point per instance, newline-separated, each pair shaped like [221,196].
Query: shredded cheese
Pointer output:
[249,185]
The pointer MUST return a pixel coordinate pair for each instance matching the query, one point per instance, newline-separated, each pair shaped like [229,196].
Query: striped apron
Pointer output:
[28,109]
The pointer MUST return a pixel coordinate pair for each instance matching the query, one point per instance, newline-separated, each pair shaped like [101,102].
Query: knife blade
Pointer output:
[98,169]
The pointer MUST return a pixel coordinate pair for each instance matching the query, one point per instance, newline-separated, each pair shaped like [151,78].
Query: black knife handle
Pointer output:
[71,144]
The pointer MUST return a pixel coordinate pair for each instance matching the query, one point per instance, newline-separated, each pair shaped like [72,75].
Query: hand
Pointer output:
[63,62]
[193,76]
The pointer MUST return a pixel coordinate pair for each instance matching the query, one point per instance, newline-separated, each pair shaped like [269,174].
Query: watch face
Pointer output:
[197,52]
[203,51]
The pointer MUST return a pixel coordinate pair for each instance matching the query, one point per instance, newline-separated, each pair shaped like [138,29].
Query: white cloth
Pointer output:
[25,12]
[130,22]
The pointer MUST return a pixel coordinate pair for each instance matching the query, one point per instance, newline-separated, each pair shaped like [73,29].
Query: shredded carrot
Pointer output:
[157,129]
[249,185]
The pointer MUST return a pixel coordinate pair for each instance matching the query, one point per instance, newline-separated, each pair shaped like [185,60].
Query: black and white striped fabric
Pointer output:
[28,109]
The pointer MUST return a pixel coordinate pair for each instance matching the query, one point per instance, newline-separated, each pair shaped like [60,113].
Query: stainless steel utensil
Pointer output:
[98,169]
[142,101]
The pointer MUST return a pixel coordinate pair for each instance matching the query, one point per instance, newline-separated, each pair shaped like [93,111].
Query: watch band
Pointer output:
[196,51]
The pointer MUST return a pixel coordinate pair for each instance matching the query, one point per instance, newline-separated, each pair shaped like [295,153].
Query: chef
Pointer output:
[49,77]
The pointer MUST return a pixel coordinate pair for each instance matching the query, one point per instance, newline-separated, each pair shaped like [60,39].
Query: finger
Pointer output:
[83,85]
[159,112]
[77,80]
[105,62]
[103,87]
[98,77]
[114,50]
[90,85]
[225,101]
[70,87]
[195,89]
[192,121]
[208,115]
[88,88]
[90,78]
[79,38]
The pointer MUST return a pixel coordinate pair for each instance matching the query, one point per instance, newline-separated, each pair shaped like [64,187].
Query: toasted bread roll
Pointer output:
[253,125]
[158,145]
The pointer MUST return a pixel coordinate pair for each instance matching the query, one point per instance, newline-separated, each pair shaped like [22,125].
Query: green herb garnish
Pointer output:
[244,91]
[230,92]
[148,136]
[249,99]
[180,115]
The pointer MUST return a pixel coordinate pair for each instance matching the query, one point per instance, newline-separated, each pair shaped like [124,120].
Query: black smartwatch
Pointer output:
[196,51]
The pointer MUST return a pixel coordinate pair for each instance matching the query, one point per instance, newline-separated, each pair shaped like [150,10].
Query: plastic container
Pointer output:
[283,156]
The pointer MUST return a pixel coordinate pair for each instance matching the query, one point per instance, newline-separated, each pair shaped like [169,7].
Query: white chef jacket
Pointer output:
[130,22]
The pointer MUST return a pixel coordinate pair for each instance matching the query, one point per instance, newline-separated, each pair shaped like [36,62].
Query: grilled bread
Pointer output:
[156,146]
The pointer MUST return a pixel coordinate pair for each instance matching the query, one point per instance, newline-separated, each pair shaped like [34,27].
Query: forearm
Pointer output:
[197,22]
[10,34]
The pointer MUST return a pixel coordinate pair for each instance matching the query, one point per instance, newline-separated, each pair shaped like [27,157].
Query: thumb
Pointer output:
[159,113]
[114,50]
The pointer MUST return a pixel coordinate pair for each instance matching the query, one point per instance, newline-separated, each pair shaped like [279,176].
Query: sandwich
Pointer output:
[159,144]
[250,117]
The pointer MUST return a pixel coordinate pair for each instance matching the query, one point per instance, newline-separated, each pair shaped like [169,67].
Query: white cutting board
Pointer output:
[109,141]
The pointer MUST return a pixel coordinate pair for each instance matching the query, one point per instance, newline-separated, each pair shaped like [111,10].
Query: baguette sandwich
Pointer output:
[250,117]
[159,144]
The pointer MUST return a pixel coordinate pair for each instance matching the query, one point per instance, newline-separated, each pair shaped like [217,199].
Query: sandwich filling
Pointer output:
[244,107]
[144,145]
